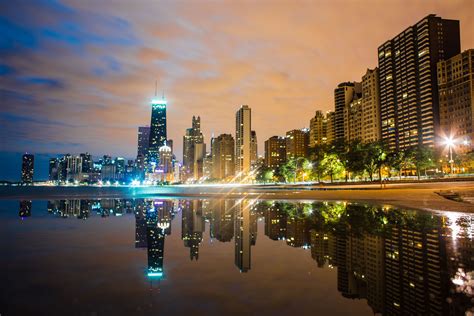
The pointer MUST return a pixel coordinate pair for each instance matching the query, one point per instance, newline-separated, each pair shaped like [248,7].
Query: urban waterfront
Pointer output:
[236,256]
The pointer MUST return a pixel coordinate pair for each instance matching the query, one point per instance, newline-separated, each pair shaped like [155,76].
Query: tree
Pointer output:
[331,165]
[288,170]
[264,174]
[423,158]
[317,155]
[354,157]
[375,154]
[395,161]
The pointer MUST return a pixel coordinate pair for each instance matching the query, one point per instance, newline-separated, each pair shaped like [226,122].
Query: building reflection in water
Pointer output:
[401,262]
[25,209]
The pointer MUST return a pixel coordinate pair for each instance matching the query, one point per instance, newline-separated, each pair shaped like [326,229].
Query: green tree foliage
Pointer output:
[332,165]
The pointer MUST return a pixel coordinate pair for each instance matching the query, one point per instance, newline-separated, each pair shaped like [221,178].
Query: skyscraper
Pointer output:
[343,96]
[275,152]
[456,100]
[27,168]
[193,136]
[143,140]
[223,160]
[157,129]
[253,149]
[409,103]
[353,118]
[370,106]
[243,127]
[320,128]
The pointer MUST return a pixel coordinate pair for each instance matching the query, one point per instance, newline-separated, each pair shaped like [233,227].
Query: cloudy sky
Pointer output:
[77,76]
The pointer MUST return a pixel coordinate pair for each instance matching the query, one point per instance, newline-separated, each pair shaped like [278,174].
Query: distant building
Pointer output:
[143,140]
[223,159]
[319,129]
[275,152]
[330,131]
[193,136]
[199,154]
[297,143]
[456,97]
[243,139]
[53,170]
[409,103]
[27,168]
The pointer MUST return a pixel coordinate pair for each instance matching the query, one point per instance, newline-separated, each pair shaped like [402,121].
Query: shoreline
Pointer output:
[421,196]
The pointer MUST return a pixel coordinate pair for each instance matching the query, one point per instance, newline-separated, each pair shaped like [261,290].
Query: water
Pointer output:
[201,257]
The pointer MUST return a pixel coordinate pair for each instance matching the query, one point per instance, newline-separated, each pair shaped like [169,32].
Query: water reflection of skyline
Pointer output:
[401,262]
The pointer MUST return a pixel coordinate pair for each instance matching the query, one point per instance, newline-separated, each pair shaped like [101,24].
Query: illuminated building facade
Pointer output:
[192,137]
[193,227]
[223,159]
[157,130]
[27,168]
[370,106]
[353,117]
[253,149]
[275,152]
[297,143]
[243,139]
[456,100]
[318,129]
[343,96]
[409,102]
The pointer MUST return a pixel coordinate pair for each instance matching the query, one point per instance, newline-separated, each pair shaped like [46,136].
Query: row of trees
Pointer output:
[358,160]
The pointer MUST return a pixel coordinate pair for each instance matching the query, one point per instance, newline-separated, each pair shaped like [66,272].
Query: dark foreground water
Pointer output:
[235,257]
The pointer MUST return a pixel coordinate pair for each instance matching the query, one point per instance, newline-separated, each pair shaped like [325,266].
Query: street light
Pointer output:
[449,141]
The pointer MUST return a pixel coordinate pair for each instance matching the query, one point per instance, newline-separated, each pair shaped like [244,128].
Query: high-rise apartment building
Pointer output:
[297,143]
[223,159]
[199,155]
[243,139]
[318,129]
[157,129]
[409,104]
[343,96]
[370,106]
[253,149]
[353,117]
[275,152]
[456,100]
[27,168]
[331,125]
[193,136]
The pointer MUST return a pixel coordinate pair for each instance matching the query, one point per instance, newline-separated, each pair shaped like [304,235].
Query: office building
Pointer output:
[143,140]
[193,136]
[223,159]
[199,155]
[331,125]
[27,168]
[353,118]
[243,139]
[297,143]
[456,100]
[275,152]
[409,103]
[158,134]
[318,129]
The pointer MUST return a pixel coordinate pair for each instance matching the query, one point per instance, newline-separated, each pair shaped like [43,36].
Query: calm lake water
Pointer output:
[203,257]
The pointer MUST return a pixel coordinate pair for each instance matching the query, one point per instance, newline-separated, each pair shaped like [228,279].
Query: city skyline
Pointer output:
[43,122]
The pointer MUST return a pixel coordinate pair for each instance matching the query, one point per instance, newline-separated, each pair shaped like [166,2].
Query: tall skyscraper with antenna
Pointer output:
[157,129]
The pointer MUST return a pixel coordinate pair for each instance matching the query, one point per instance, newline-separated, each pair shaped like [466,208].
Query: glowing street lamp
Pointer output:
[449,141]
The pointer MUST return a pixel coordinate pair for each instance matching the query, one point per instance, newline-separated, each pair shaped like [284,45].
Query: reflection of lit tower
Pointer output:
[414,263]
[192,226]
[323,247]
[243,235]
[140,224]
[164,209]
[275,222]
[25,208]
[157,129]
[27,168]
[222,225]
[297,234]
[156,245]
